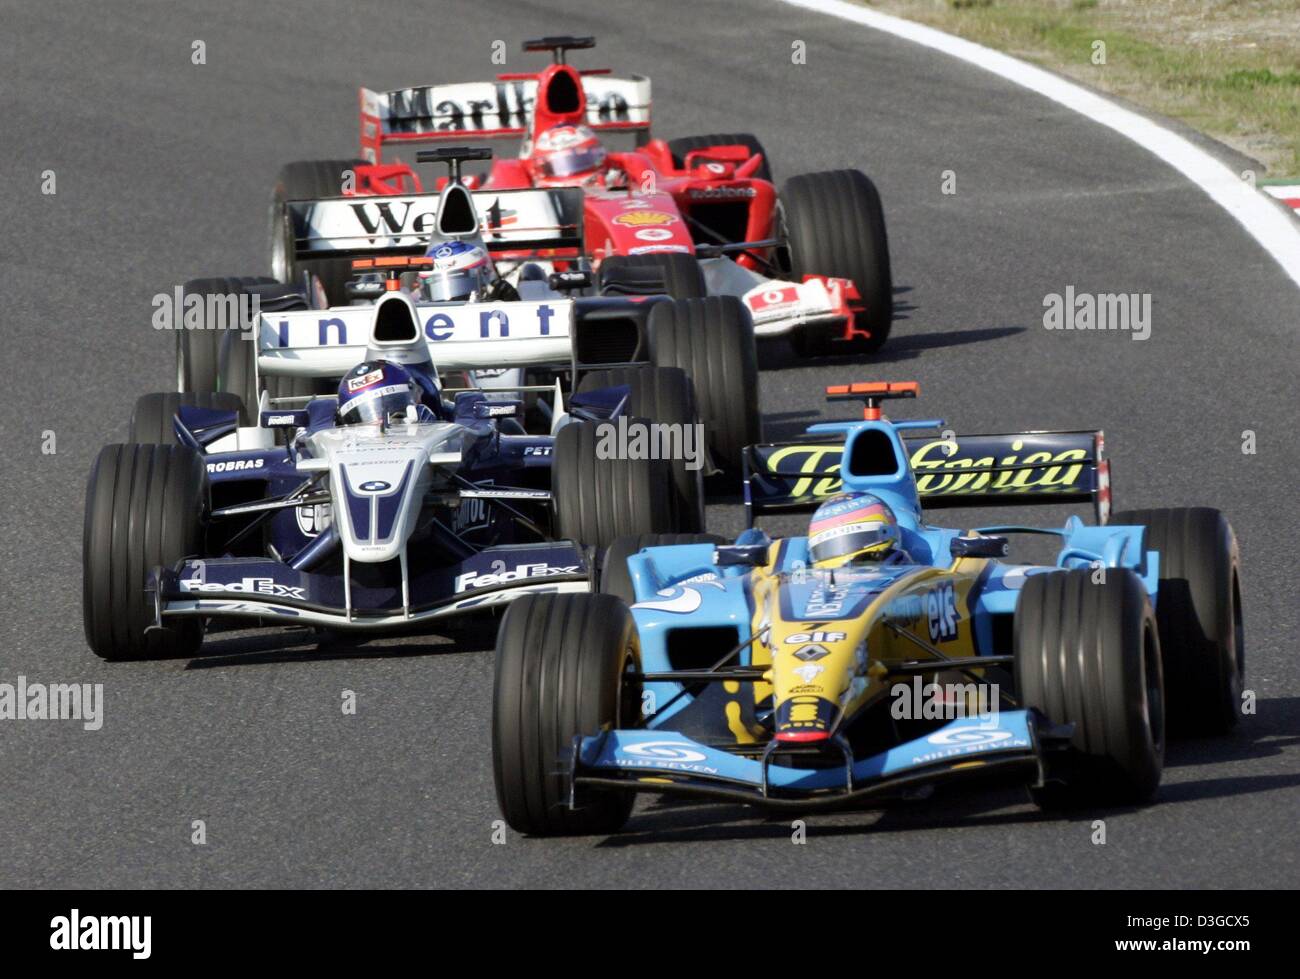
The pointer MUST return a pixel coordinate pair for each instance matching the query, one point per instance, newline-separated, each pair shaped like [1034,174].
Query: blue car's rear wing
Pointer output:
[960,471]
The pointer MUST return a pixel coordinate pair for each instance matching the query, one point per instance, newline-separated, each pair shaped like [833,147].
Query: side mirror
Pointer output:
[978,546]
[364,288]
[285,419]
[740,555]
[568,281]
[485,410]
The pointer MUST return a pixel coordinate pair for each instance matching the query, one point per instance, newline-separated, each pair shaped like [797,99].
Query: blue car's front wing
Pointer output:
[663,761]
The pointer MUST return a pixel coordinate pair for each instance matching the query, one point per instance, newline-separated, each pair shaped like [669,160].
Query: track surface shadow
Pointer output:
[777,355]
[301,647]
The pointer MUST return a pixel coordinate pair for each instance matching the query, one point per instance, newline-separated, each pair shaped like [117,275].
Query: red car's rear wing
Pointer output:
[491,110]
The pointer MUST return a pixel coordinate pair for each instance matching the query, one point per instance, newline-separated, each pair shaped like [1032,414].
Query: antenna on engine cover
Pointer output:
[457,217]
[871,394]
[558,45]
[453,156]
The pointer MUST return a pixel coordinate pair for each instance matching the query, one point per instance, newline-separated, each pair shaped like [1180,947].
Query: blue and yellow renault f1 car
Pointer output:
[754,672]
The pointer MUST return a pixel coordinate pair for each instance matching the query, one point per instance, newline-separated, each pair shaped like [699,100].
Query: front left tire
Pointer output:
[561,673]
[146,507]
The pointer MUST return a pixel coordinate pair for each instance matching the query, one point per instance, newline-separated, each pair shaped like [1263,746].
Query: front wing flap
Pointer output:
[778,307]
[262,588]
[666,762]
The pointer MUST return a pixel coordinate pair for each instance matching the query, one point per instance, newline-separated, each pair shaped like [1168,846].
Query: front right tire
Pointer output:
[664,395]
[713,341]
[835,225]
[1087,653]
[599,497]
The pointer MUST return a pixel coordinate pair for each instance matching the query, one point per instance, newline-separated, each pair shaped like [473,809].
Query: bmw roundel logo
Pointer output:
[376,486]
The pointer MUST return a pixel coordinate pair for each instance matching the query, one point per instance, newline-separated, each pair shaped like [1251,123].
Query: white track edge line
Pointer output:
[1273,228]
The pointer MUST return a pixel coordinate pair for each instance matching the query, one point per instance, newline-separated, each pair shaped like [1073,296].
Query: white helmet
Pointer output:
[461,270]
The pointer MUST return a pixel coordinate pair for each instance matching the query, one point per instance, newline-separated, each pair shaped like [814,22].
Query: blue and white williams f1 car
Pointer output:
[387,506]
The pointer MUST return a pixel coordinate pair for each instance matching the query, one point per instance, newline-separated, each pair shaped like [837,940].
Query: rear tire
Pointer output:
[685,144]
[664,395]
[308,180]
[713,341]
[659,273]
[1088,654]
[151,421]
[835,225]
[1198,609]
[560,665]
[198,351]
[236,375]
[146,507]
[236,371]
[614,577]
[599,500]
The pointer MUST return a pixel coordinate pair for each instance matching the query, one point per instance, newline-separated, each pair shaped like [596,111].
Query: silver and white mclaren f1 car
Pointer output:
[531,330]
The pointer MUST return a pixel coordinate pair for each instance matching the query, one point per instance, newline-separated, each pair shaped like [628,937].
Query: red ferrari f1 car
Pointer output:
[690,217]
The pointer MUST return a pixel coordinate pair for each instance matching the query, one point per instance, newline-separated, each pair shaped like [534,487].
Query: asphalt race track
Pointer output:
[163,173]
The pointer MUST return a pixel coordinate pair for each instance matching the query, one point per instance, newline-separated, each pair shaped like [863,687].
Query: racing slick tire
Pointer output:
[835,225]
[1198,611]
[713,341]
[665,395]
[199,350]
[1087,653]
[614,576]
[597,500]
[308,180]
[235,368]
[151,420]
[235,375]
[560,666]
[288,386]
[685,144]
[659,273]
[146,507]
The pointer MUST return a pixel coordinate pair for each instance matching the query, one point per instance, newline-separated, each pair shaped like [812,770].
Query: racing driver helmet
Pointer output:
[377,391]
[461,271]
[852,527]
[567,155]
